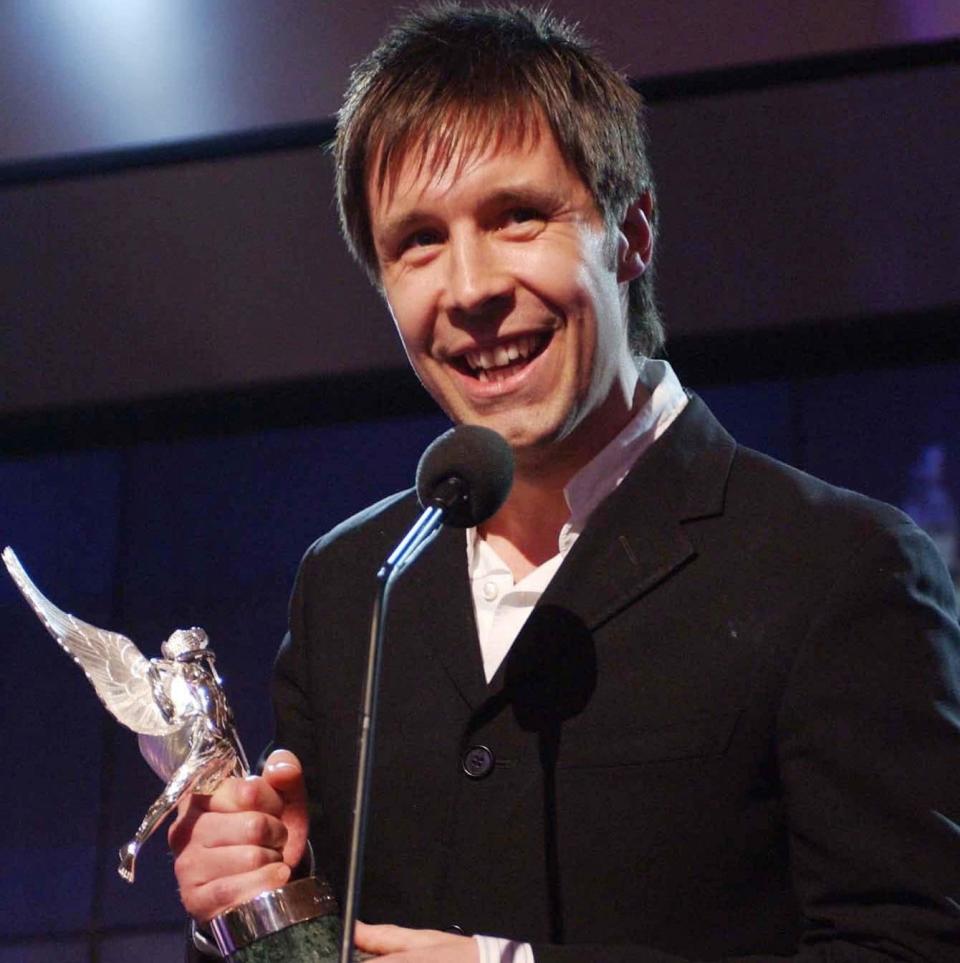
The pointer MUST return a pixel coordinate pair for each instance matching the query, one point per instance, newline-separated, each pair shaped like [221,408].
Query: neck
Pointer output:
[526,530]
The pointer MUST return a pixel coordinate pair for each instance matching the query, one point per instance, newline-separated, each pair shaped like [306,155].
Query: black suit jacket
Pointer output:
[730,727]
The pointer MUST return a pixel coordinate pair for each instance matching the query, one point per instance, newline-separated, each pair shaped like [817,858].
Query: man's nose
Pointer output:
[477,281]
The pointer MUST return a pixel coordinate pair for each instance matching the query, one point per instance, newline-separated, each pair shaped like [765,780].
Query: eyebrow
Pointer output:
[526,195]
[399,227]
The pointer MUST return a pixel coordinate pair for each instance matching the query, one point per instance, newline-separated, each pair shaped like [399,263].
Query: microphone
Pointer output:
[466,473]
[463,477]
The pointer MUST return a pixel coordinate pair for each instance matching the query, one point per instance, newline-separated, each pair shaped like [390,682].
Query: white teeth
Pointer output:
[502,355]
[526,345]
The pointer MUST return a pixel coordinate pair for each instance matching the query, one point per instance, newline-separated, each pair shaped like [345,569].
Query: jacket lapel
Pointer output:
[638,536]
[434,607]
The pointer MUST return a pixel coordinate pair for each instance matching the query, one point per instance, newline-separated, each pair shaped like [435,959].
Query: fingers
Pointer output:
[229,846]
[211,830]
[385,939]
[284,774]
[217,895]
[243,795]
[195,872]
[229,855]
[253,797]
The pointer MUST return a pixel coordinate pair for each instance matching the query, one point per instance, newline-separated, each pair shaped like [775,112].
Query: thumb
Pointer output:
[284,773]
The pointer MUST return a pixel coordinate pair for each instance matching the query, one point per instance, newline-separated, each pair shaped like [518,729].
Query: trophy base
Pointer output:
[314,941]
[297,923]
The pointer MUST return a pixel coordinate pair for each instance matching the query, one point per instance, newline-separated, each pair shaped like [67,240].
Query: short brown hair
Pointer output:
[449,76]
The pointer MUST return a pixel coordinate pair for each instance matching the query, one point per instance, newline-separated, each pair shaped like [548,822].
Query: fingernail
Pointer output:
[274,766]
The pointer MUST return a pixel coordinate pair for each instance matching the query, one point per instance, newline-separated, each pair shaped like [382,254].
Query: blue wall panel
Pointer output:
[59,512]
[163,947]
[757,414]
[55,951]
[865,430]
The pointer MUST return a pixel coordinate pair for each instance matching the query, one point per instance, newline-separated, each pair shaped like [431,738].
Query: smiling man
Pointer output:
[674,701]
[506,291]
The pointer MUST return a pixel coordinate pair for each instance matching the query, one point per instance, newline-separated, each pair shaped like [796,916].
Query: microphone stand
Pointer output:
[422,533]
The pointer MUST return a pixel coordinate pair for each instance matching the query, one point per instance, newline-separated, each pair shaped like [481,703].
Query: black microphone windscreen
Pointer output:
[477,456]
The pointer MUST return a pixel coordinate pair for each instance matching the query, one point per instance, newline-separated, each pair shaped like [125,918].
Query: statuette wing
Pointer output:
[112,663]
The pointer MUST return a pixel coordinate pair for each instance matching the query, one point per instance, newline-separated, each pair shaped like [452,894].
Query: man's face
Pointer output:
[509,296]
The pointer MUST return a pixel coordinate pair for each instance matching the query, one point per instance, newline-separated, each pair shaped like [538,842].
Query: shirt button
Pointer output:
[489,591]
[477,762]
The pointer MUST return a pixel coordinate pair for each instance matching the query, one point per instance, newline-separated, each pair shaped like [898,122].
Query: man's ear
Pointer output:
[635,247]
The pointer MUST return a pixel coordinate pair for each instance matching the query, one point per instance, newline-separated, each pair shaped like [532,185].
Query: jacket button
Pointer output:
[477,762]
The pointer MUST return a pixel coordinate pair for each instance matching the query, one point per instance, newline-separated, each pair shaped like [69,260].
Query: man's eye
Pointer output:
[422,238]
[521,215]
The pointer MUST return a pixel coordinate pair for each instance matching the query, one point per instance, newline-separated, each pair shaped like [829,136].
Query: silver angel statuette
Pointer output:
[175,704]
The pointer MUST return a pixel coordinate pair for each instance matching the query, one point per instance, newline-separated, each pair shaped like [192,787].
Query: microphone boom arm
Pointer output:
[414,542]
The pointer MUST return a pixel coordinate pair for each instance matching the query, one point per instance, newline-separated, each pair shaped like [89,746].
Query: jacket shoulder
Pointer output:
[365,539]
[766,489]
[380,521]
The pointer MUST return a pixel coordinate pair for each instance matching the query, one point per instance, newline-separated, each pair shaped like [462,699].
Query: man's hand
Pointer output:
[399,945]
[243,840]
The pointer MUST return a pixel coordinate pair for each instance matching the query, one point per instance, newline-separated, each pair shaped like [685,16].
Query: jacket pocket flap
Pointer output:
[707,735]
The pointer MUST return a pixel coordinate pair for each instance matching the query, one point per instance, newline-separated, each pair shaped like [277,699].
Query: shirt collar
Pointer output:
[604,472]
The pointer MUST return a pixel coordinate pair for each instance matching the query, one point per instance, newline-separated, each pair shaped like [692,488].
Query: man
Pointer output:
[674,700]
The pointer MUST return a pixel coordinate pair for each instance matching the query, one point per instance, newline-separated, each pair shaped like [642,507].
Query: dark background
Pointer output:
[195,382]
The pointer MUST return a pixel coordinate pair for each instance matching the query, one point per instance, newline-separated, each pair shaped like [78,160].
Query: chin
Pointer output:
[527,429]
[527,443]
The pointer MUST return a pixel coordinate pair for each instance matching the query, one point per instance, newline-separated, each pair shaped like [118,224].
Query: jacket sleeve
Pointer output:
[868,743]
[293,720]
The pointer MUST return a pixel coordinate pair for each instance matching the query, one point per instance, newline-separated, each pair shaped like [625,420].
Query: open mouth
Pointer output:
[504,359]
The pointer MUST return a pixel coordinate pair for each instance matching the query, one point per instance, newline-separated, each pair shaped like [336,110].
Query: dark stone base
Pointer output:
[315,941]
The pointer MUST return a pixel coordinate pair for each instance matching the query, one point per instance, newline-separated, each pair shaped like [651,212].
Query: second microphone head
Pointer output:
[479,462]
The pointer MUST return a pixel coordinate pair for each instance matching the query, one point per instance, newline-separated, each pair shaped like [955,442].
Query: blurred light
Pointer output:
[133,69]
